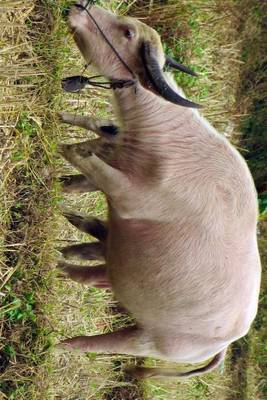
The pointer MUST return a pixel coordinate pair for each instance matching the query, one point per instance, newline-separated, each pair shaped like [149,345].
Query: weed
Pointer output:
[16,309]
[26,125]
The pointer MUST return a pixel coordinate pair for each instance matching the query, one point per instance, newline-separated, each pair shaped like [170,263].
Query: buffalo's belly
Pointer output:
[162,287]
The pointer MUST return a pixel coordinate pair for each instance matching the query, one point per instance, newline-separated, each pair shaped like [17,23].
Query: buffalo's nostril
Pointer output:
[79,6]
[66,12]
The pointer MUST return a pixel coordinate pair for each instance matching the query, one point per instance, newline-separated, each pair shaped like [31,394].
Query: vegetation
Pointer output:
[221,40]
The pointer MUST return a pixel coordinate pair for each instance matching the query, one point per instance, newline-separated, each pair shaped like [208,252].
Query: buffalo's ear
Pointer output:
[156,78]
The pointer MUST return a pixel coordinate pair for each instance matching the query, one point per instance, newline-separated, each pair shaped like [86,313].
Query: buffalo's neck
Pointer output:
[149,128]
[142,112]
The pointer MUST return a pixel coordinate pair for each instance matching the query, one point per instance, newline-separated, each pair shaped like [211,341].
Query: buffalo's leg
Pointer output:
[143,372]
[100,126]
[93,226]
[130,340]
[109,180]
[77,184]
[92,276]
[80,183]
[85,251]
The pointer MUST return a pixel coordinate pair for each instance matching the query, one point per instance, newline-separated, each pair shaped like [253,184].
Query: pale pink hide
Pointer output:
[182,252]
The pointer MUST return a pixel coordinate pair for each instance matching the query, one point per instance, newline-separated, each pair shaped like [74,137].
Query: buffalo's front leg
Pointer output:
[102,127]
[109,180]
[80,183]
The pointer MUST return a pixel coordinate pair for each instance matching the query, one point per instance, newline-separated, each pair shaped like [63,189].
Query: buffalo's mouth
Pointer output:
[79,21]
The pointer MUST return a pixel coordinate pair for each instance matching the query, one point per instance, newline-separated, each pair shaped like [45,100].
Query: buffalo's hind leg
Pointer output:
[76,184]
[84,251]
[131,340]
[88,275]
[93,226]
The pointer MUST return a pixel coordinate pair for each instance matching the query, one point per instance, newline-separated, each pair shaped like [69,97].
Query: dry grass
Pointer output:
[26,174]
[204,34]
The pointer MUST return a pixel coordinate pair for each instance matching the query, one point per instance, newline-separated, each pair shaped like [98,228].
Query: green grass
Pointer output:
[27,171]
[37,307]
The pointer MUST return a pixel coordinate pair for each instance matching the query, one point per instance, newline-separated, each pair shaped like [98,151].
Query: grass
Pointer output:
[26,206]
[37,308]
[254,105]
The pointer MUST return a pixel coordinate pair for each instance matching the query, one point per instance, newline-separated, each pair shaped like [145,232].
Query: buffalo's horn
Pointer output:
[170,62]
[157,80]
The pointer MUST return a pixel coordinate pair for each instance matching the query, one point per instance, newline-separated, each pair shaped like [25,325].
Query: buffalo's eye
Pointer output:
[129,33]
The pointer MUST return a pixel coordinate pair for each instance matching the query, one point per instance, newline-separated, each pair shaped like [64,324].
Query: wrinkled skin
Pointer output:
[180,248]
